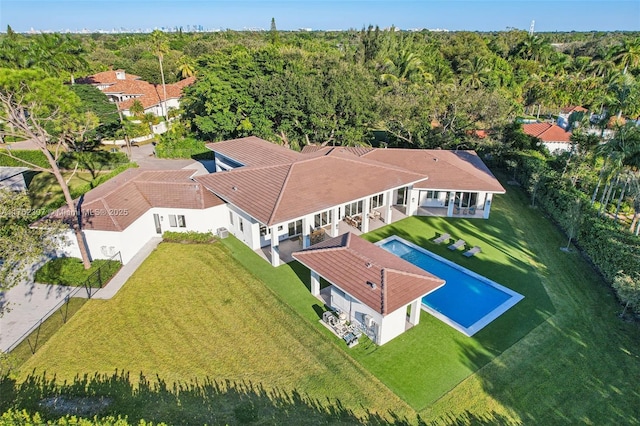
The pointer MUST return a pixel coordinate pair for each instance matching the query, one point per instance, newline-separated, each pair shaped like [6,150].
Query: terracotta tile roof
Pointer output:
[570,109]
[447,170]
[105,77]
[148,94]
[277,193]
[328,150]
[119,202]
[353,264]
[253,151]
[547,132]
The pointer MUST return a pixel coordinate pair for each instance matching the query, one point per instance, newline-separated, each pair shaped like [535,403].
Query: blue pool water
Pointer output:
[467,301]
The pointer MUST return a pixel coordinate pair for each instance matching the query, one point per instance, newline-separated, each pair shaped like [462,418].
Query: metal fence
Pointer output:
[92,284]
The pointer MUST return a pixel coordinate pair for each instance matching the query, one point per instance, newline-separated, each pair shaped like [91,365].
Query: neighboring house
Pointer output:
[13,178]
[124,213]
[125,89]
[565,113]
[373,287]
[552,136]
[265,194]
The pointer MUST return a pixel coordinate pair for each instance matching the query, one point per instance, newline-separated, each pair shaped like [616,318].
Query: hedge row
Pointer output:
[93,160]
[177,147]
[609,246]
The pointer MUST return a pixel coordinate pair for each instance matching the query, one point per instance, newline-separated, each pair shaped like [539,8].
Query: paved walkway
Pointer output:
[28,302]
[116,283]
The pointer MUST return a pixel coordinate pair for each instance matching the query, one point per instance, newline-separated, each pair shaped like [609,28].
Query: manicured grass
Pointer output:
[191,314]
[560,356]
[70,271]
[44,190]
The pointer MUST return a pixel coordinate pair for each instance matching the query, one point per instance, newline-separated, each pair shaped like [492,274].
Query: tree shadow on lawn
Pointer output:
[210,401]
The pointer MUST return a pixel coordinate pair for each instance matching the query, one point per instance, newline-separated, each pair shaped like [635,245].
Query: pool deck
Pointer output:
[486,319]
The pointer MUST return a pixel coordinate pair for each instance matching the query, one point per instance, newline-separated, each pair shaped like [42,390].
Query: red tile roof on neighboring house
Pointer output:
[148,94]
[570,109]
[547,132]
[120,201]
[375,277]
[285,191]
[106,77]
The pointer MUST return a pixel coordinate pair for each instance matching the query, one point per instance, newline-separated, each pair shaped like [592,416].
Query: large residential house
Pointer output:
[125,89]
[552,136]
[277,201]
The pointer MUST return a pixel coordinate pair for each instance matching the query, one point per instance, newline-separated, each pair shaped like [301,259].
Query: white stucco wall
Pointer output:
[393,325]
[557,147]
[249,233]
[102,244]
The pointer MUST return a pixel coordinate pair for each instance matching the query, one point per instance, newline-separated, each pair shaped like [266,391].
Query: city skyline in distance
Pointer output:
[452,15]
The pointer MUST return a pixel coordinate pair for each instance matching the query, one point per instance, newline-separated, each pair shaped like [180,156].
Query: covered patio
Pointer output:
[379,292]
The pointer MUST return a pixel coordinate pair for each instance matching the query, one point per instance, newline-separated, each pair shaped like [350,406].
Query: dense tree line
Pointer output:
[391,88]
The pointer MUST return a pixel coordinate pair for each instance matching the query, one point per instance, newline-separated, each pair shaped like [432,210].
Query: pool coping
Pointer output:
[482,322]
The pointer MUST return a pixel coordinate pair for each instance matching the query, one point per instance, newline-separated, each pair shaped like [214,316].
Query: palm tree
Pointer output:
[160,46]
[475,72]
[628,54]
[185,67]
[406,67]
[136,108]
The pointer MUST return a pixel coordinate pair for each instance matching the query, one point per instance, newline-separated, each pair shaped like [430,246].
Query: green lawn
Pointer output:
[44,190]
[218,312]
[194,316]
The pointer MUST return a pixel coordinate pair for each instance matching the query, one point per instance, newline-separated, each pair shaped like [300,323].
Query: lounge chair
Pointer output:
[472,251]
[456,245]
[442,238]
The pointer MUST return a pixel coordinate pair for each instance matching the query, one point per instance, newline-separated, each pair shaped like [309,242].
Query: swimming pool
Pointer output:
[467,301]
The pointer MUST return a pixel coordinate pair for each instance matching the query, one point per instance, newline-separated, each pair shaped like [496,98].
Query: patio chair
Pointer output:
[472,251]
[472,210]
[456,245]
[442,238]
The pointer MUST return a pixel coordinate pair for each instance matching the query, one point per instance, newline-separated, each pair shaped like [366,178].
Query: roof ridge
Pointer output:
[280,194]
[428,276]
[373,163]
[112,217]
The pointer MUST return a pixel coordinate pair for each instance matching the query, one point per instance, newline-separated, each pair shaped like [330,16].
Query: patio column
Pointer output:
[315,283]
[388,196]
[412,202]
[306,237]
[487,206]
[452,201]
[366,204]
[275,249]
[335,222]
[414,317]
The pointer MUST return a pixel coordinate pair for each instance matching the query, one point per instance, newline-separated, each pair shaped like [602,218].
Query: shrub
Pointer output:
[191,237]
[70,271]
[32,156]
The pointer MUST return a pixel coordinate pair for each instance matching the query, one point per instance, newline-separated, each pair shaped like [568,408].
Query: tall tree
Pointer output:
[21,245]
[160,47]
[43,110]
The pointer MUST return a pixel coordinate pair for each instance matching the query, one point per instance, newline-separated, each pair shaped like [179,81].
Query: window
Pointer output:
[353,208]
[377,201]
[401,199]
[434,195]
[177,221]
[295,228]
[264,230]
[231,218]
[322,219]
[241,223]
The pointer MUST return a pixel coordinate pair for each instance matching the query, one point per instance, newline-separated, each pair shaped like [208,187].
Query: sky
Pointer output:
[472,15]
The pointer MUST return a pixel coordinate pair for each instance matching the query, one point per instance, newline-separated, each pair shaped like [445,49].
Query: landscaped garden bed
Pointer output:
[70,271]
